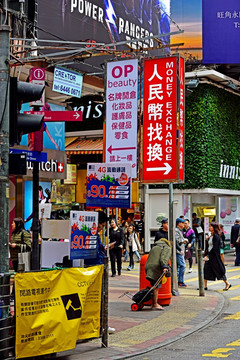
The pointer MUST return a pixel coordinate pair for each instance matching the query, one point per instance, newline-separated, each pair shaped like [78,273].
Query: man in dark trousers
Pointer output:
[156,265]
[234,235]
[163,230]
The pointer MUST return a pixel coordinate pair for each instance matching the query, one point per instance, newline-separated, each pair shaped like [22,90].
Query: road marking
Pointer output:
[236,298]
[233,317]
[231,288]
[219,353]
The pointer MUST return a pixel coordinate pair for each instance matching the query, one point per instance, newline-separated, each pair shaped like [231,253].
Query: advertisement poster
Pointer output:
[56,308]
[121,113]
[228,212]
[83,237]
[109,185]
[44,197]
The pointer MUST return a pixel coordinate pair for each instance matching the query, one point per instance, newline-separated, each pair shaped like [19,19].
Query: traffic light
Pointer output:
[20,124]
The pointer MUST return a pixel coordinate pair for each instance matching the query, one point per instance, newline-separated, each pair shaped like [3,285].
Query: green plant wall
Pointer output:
[212,134]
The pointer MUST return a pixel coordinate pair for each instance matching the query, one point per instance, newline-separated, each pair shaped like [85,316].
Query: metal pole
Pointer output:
[105,304]
[200,269]
[35,224]
[108,233]
[4,147]
[171,220]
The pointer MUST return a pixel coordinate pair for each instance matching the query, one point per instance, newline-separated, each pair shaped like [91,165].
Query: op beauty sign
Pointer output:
[121,113]
[163,127]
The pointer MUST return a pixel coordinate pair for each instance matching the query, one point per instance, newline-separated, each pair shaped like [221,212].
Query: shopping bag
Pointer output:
[24,259]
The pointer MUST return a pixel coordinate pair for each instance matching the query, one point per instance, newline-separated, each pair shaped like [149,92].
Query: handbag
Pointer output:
[238,238]
[24,257]
[188,253]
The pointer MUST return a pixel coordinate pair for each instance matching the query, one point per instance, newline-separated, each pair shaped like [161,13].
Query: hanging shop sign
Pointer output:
[55,308]
[121,113]
[83,234]
[163,127]
[67,82]
[109,185]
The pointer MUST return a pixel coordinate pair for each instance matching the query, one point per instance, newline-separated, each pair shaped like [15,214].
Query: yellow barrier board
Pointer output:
[56,308]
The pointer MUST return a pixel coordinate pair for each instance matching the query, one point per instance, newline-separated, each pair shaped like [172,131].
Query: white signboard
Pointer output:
[228,212]
[121,112]
[67,82]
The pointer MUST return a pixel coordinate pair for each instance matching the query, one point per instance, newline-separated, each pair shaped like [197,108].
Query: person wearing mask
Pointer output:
[213,266]
[189,234]
[116,238]
[133,246]
[156,265]
[163,230]
[180,247]
[234,235]
[19,237]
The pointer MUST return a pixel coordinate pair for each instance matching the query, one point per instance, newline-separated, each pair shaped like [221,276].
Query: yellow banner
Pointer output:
[56,308]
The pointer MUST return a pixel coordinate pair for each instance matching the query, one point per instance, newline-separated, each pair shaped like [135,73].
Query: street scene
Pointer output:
[119,179]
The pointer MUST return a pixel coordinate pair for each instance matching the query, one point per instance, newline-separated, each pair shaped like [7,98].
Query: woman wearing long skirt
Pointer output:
[213,266]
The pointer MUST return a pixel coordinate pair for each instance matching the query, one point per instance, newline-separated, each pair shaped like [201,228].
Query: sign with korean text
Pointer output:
[67,82]
[56,308]
[83,236]
[161,130]
[109,185]
[121,112]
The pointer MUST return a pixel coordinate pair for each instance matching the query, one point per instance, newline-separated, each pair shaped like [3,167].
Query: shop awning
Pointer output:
[85,146]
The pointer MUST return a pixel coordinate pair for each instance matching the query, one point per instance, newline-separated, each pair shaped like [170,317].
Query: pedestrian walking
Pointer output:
[213,266]
[222,246]
[180,247]
[116,238]
[189,234]
[133,246]
[156,265]
[235,232]
[125,229]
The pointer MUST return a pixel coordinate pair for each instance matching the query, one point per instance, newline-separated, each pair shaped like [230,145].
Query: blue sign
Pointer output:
[84,225]
[67,82]
[34,156]
[221,32]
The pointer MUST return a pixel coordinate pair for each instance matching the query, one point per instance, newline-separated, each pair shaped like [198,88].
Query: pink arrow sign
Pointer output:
[110,149]
[58,115]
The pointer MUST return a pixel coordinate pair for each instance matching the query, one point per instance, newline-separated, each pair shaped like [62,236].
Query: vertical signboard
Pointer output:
[121,112]
[109,185]
[83,234]
[181,117]
[162,148]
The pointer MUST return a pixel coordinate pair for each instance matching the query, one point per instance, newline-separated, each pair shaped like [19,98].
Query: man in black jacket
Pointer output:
[234,235]
[163,231]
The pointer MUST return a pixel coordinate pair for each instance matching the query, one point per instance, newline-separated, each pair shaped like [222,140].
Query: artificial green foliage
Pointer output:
[212,134]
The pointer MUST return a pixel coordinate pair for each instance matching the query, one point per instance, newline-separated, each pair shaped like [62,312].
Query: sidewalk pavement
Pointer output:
[137,332]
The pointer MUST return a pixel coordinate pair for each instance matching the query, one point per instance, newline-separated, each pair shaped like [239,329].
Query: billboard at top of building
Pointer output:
[104,21]
[221,32]
[121,112]
[163,125]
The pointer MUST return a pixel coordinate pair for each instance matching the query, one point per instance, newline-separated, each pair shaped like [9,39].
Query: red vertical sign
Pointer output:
[160,147]
[181,118]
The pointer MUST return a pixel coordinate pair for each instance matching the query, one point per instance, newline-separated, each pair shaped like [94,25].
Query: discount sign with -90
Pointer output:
[109,185]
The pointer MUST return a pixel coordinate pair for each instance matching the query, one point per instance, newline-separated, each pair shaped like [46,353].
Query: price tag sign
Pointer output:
[109,185]
[83,237]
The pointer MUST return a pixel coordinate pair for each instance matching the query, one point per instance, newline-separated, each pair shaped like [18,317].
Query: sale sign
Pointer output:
[109,185]
[83,236]
[163,131]
[121,112]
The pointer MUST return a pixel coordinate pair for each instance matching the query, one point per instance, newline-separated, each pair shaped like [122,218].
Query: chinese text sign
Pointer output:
[121,112]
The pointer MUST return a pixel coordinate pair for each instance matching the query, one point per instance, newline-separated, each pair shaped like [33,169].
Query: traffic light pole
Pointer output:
[35,223]
[4,147]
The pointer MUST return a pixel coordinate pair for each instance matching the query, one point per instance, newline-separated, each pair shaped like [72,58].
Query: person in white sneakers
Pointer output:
[132,246]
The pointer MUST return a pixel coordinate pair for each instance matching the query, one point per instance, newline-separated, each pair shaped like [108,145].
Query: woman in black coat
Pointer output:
[213,266]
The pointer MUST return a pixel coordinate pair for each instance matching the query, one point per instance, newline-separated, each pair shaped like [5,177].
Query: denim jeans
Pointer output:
[137,255]
[181,266]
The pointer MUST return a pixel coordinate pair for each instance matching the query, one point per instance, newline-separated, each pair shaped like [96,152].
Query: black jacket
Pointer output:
[116,235]
[234,234]
[161,234]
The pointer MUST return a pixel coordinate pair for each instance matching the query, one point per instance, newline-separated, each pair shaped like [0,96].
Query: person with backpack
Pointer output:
[156,265]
